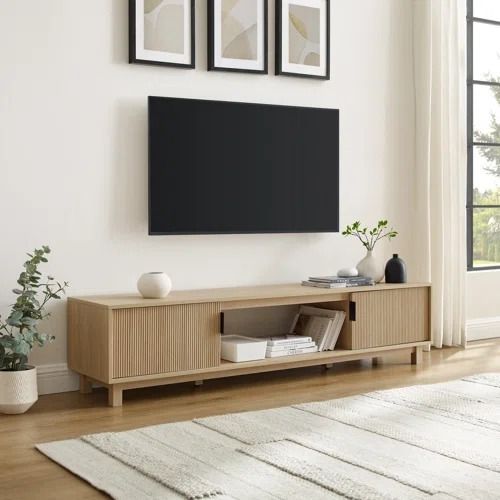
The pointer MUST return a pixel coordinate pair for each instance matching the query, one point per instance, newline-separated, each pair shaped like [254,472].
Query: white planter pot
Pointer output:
[154,285]
[371,267]
[18,391]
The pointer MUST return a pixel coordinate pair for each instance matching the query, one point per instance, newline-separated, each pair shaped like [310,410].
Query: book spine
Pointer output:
[290,352]
[278,348]
[324,284]
[288,342]
[339,280]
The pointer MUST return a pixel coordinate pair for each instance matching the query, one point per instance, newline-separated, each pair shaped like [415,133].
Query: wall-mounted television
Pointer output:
[231,167]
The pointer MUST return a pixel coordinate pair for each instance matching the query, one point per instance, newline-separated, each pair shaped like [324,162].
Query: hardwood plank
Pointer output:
[63,416]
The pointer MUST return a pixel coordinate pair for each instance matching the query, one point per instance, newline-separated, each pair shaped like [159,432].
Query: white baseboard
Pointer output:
[483,328]
[56,378]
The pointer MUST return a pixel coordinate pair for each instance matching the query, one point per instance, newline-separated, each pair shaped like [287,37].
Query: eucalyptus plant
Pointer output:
[369,237]
[19,332]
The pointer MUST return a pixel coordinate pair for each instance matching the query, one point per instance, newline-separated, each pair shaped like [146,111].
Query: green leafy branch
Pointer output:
[369,237]
[19,332]
[491,153]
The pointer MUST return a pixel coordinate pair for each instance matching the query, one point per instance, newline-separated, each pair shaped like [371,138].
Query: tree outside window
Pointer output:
[483,85]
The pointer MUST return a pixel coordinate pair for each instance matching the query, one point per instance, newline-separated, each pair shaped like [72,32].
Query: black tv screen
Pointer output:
[230,167]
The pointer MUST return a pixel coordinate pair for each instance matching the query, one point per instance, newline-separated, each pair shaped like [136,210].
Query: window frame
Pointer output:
[471,83]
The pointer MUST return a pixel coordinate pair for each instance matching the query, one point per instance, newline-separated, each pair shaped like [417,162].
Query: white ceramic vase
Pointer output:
[154,285]
[18,390]
[370,267]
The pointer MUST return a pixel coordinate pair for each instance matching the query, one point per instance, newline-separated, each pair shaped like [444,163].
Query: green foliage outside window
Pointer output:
[486,221]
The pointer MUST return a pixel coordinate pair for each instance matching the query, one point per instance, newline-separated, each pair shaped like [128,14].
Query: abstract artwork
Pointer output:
[237,35]
[162,32]
[303,38]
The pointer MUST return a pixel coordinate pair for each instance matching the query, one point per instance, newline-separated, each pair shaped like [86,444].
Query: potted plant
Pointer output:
[19,334]
[369,266]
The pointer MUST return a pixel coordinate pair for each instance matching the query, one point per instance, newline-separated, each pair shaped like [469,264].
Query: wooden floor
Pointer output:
[25,473]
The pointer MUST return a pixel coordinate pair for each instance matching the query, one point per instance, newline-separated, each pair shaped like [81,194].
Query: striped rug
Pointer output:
[440,441]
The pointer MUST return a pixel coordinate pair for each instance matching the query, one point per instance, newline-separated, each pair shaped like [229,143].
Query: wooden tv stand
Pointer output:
[125,341]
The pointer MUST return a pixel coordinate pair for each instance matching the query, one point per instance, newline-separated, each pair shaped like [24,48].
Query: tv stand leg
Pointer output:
[416,355]
[115,395]
[85,385]
[376,361]
[329,365]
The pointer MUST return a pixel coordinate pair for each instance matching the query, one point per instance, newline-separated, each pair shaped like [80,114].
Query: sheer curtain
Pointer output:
[439,32]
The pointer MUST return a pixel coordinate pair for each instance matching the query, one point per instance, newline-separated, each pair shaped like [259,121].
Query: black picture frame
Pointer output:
[133,59]
[278,44]
[210,43]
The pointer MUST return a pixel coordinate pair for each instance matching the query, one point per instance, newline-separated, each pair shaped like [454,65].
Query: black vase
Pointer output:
[395,270]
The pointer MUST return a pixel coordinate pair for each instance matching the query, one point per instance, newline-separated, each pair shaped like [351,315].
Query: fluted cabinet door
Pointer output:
[163,339]
[390,317]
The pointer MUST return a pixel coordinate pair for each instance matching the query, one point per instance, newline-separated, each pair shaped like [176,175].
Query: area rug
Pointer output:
[440,441]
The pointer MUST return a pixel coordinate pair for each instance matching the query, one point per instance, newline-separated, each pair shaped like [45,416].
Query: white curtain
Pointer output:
[439,32]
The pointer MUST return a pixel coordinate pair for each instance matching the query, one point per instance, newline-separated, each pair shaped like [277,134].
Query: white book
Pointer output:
[288,340]
[310,325]
[318,284]
[324,341]
[328,340]
[323,346]
[337,327]
[290,352]
[321,340]
[316,311]
[284,347]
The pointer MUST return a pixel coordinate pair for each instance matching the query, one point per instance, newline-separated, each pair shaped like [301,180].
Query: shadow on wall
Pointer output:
[127,200]
[119,32]
[128,197]
[55,325]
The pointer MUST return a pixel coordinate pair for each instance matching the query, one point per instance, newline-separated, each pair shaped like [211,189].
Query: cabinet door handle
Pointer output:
[352,311]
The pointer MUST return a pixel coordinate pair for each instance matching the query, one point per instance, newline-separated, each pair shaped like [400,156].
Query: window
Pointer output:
[483,134]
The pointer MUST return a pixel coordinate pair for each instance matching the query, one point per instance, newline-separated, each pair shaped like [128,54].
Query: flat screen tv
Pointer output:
[231,167]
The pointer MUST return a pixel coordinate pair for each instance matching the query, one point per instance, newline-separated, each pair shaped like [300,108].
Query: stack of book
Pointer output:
[337,282]
[313,329]
[288,345]
[321,325]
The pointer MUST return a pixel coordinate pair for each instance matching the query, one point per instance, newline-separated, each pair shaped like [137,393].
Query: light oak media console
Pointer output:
[126,342]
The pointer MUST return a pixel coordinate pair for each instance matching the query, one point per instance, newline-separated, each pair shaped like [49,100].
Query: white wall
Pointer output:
[73,148]
[483,305]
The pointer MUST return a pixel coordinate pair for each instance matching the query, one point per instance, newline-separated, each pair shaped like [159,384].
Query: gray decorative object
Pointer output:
[347,272]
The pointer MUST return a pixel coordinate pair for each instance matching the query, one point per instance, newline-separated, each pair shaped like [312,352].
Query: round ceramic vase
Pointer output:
[18,390]
[370,267]
[154,285]
[395,270]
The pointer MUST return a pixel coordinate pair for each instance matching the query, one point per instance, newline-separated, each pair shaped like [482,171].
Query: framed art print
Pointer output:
[237,35]
[162,32]
[303,38]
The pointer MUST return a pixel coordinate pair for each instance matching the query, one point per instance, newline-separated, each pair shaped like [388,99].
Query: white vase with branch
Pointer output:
[369,266]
